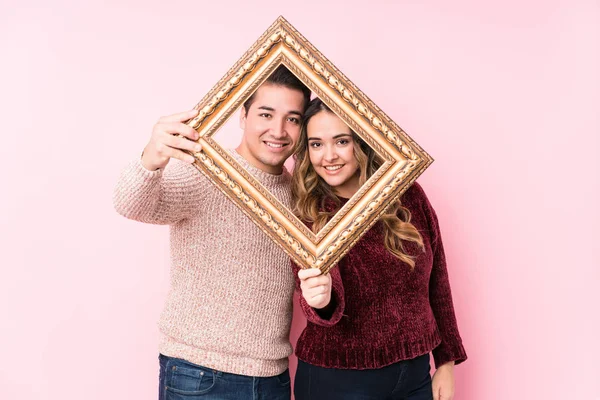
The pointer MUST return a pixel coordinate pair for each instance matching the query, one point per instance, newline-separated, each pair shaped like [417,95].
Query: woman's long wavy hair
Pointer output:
[311,192]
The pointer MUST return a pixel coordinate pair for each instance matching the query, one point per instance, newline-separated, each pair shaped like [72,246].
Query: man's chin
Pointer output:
[273,161]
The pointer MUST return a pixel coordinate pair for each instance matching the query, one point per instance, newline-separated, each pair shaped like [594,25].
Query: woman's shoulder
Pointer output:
[414,196]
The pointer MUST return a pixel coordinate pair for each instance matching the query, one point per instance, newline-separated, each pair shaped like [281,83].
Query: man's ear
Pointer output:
[243,118]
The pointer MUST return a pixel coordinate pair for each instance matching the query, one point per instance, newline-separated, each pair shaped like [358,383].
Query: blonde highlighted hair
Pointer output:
[311,192]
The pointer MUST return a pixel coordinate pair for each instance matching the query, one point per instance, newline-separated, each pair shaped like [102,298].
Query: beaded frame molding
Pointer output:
[404,160]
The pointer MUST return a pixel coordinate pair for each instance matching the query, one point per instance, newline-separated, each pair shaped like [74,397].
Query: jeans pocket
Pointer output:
[284,378]
[186,380]
[424,363]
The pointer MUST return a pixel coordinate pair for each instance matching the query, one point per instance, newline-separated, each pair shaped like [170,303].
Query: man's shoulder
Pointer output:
[188,178]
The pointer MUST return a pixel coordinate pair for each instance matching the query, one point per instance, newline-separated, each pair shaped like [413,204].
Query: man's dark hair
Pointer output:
[283,77]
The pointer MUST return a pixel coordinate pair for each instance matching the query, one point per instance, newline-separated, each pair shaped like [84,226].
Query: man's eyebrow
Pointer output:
[269,108]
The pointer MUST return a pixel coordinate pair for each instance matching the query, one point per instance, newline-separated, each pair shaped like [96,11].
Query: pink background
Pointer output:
[505,96]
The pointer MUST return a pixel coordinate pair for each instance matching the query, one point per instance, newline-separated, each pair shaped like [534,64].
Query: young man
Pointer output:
[225,325]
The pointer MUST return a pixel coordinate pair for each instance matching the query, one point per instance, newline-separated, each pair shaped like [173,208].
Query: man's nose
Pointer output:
[278,128]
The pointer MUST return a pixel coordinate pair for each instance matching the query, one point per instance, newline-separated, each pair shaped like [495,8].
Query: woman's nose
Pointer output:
[330,154]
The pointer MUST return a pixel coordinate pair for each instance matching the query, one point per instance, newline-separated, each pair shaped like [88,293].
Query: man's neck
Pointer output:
[246,155]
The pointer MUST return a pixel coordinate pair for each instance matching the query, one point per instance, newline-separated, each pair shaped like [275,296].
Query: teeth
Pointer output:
[333,167]
[277,146]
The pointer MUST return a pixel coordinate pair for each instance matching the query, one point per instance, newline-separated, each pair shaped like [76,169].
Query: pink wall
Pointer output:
[504,94]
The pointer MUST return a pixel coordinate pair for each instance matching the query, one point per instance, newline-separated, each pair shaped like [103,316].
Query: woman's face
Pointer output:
[331,151]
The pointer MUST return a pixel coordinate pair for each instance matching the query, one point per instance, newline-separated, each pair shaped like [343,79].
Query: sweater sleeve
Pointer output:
[440,296]
[162,197]
[330,315]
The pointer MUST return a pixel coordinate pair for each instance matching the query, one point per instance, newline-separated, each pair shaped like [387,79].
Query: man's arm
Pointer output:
[151,191]
[165,143]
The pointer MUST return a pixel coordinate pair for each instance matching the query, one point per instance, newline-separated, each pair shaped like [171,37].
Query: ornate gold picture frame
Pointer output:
[404,160]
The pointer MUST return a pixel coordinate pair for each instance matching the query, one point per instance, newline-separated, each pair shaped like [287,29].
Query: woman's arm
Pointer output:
[321,296]
[440,295]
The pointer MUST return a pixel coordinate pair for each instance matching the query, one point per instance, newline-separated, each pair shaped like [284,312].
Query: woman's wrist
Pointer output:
[448,365]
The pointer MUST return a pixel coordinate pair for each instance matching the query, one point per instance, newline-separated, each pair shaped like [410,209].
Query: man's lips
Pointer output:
[275,145]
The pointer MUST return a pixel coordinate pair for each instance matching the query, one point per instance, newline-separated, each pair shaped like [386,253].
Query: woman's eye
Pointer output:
[343,142]
[315,144]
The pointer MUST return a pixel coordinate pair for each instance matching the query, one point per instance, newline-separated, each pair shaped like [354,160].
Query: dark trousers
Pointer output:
[181,380]
[406,380]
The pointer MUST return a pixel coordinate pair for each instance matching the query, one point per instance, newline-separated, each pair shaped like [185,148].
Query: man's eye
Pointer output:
[294,120]
[265,115]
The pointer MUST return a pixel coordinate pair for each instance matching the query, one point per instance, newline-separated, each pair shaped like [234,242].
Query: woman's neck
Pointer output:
[348,188]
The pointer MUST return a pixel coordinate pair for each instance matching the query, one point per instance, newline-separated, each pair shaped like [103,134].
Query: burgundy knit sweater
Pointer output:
[383,312]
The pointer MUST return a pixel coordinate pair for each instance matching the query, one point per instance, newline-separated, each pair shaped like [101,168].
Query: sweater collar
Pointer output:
[263,177]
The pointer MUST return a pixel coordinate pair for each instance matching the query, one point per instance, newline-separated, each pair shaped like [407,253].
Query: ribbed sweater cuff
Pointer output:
[447,352]
[136,190]
[337,298]
[138,169]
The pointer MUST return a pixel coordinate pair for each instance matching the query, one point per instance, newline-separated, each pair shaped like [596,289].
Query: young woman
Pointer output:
[372,321]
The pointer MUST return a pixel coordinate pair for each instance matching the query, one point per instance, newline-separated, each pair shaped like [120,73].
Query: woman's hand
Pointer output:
[443,382]
[316,287]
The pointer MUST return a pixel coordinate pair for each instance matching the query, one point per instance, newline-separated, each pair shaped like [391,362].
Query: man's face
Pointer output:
[271,127]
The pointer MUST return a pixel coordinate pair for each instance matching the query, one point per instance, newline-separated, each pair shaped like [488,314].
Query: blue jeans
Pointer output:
[404,380]
[179,380]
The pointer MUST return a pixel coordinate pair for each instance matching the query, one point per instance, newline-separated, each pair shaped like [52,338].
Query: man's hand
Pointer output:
[164,143]
[443,382]
[316,288]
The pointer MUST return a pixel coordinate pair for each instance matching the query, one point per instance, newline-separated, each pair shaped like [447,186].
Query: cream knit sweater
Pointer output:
[229,305]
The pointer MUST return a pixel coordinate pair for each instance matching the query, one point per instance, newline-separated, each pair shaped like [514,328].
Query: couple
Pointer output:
[372,321]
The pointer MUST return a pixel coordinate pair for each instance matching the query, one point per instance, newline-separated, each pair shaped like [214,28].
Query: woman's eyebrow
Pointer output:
[335,137]
[341,135]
